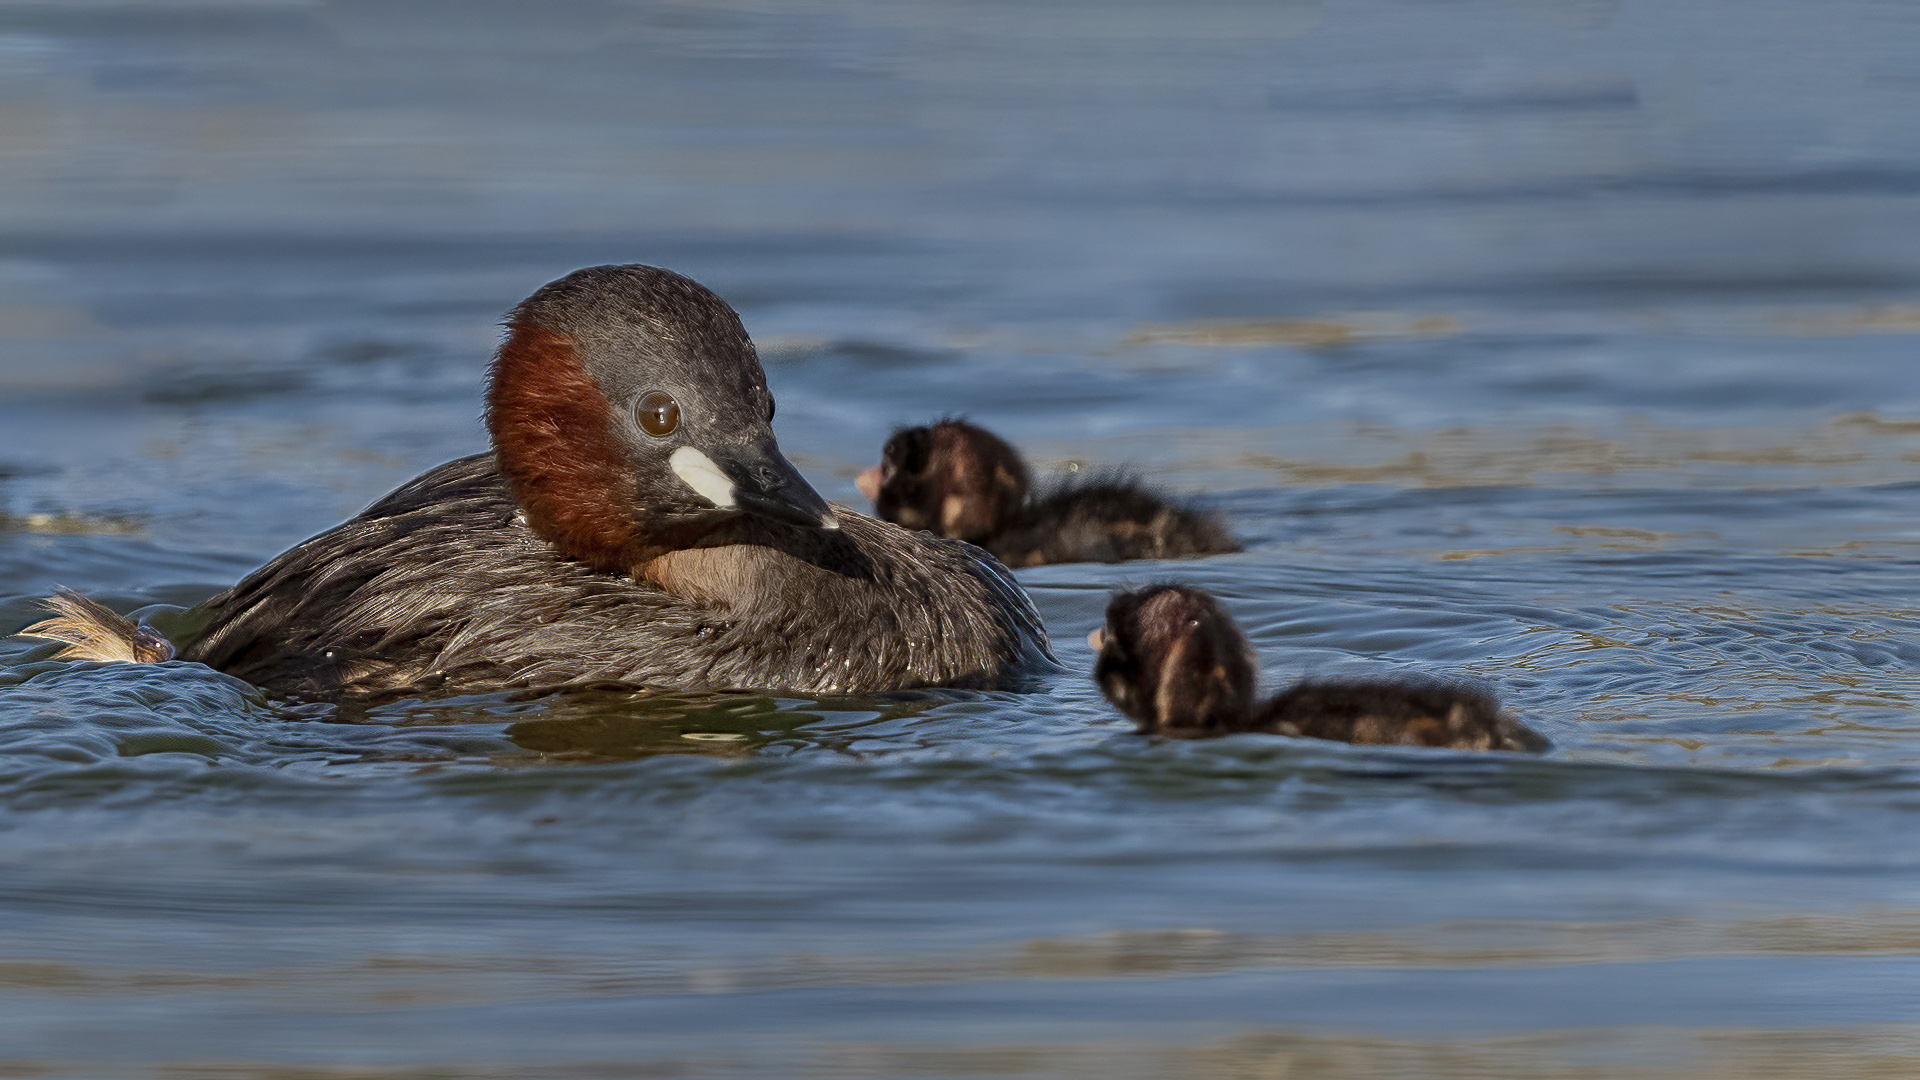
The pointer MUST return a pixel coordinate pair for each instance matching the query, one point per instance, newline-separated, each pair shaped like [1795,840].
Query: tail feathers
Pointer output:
[93,631]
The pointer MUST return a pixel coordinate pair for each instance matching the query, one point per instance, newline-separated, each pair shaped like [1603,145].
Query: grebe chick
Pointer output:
[960,480]
[1171,658]
[636,523]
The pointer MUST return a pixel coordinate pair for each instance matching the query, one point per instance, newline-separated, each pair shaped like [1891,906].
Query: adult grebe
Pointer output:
[636,522]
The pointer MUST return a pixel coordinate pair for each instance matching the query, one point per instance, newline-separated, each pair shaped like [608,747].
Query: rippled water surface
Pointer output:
[1563,345]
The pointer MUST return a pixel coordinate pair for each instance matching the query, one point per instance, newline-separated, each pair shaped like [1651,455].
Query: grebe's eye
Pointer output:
[658,413]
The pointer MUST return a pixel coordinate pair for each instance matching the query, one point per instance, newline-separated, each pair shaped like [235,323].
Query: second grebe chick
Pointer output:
[1171,658]
[635,522]
[957,479]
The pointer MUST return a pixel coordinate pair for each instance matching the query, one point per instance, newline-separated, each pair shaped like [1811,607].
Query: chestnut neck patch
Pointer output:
[555,443]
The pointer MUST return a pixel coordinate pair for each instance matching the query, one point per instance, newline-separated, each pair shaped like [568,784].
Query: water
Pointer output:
[1566,346]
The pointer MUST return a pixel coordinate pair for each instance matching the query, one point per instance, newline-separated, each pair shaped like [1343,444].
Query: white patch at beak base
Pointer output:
[698,472]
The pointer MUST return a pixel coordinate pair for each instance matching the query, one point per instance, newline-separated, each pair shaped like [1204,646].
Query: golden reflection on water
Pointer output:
[1644,1053]
[1607,1053]
[1454,945]
[1872,319]
[1348,328]
[46,524]
[1854,449]
[1305,333]
[390,982]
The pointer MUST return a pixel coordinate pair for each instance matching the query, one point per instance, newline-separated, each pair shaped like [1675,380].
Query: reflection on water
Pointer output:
[1844,1054]
[1572,1055]
[642,725]
[1324,333]
[1564,346]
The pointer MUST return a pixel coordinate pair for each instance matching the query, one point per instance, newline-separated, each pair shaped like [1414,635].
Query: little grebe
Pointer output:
[635,522]
[959,480]
[1172,659]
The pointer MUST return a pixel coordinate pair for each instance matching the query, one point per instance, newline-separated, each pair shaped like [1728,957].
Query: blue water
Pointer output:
[1563,345]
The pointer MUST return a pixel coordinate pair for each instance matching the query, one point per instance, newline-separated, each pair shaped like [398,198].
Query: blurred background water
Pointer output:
[1566,345]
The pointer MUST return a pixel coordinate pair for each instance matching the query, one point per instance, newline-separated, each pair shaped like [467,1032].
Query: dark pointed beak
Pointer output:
[765,483]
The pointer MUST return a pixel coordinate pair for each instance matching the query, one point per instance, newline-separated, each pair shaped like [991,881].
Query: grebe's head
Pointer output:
[952,478]
[1172,659]
[630,415]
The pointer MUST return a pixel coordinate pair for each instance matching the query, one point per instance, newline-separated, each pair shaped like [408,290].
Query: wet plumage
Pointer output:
[957,479]
[437,585]
[636,522]
[1171,658]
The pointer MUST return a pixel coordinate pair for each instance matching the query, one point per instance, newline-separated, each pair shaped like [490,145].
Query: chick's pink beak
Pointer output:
[869,482]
